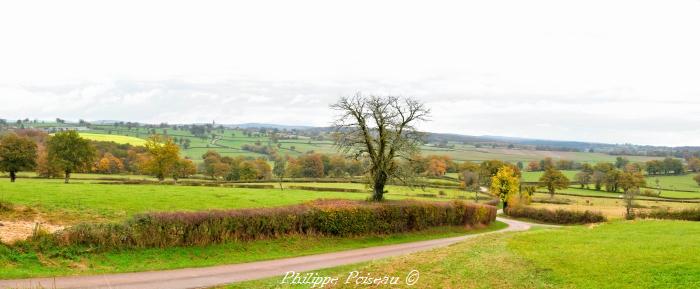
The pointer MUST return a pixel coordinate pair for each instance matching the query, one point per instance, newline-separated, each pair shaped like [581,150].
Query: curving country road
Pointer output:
[226,274]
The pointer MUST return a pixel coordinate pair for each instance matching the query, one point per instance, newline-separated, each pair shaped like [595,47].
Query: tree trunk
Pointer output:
[67,177]
[505,207]
[12,176]
[379,183]
[378,193]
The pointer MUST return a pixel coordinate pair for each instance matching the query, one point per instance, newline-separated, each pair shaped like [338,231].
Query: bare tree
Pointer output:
[380,128]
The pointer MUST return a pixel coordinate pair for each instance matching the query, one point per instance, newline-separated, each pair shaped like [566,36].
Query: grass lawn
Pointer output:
[86,201]
[637,254]
[682,182]
[18,264]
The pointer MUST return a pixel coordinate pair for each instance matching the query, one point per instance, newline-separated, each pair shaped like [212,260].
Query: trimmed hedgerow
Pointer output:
[691,214]
[330,217]
[559,216]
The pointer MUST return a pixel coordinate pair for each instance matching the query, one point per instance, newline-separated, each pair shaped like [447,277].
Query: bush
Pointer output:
[493,202]
[559,216]
[322,189]
[685,214]
[329,217]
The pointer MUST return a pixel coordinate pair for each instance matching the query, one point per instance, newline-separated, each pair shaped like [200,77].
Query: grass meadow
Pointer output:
[619,254]
[89,201]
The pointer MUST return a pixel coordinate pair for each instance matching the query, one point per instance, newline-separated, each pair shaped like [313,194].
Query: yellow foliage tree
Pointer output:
[109,164]
[163,157]
[505,184]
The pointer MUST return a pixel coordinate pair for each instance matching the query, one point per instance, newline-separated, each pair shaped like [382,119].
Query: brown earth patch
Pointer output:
[12,231]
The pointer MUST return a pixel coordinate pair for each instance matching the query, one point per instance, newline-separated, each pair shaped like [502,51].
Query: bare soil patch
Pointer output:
[12,231]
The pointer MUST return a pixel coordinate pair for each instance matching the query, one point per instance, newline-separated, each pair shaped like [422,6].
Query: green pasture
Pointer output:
[231,140]
[680,182]
[90,201]
[638,254]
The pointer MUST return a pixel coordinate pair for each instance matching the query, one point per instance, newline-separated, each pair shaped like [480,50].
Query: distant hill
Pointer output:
[268,125]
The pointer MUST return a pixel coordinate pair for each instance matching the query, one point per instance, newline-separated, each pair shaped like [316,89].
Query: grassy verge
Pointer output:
[638,254]
[18,263]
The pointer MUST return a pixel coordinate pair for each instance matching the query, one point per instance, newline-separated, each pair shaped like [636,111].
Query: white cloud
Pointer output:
[600,70]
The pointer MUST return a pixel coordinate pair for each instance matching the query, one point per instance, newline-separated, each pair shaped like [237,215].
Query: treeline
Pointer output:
[609,177]
[238,168]
[667,166]
[66,152]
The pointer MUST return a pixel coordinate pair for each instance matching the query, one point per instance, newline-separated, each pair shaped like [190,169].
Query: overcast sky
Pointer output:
[607,71]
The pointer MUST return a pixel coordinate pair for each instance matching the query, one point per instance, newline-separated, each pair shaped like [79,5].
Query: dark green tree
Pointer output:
[70,152]
[553,180]
[17,154]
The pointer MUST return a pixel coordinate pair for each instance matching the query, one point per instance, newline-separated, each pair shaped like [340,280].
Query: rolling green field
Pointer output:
[639,254]
[90,201]
[535,176]
[229,142]
[463,152]
[682,182]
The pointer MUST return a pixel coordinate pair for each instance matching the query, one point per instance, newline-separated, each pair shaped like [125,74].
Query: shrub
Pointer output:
[692,214]
[329,217]
[322,189]
[559,216]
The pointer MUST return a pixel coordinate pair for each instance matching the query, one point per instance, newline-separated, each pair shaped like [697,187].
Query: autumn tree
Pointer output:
[488,169]
[553,179]
[546,163]
[17,154]
[694,164]
[109,164]
[630,182]
[337,166]
[70,152]
[471,182]
[583,178]
[505,184]
[163,157]
[44,167]
[436,167]
[183,169]
[533,166]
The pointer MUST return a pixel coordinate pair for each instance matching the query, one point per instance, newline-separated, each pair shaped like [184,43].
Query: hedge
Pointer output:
[691,214]
[328,217]
[324,189]
[559,216]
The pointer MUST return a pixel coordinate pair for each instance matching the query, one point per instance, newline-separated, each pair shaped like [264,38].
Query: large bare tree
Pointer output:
[381,129]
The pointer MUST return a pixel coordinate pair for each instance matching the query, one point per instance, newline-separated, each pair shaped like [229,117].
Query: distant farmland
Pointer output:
[229,142]
[120,139]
